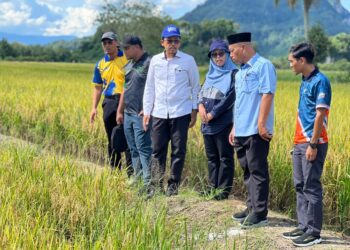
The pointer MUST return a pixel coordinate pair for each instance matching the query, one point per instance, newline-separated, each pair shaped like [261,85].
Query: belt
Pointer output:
[116,96]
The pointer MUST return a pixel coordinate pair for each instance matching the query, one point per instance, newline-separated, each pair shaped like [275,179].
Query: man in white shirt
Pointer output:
[170,97]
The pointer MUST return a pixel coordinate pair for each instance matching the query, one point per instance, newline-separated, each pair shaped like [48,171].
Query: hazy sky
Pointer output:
[346,3]
[68,17]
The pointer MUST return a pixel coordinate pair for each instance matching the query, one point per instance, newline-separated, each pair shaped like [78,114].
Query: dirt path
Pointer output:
[216,217]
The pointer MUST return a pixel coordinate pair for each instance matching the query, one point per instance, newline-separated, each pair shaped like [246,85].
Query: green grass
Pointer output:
[49,104]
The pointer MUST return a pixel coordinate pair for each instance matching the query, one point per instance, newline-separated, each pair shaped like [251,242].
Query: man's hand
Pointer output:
[146,119]
[264,133]
[141,113]
[203,114]
[209,117]
[120,118]
[231,137]
[193,118]
[311,153]
[93,115]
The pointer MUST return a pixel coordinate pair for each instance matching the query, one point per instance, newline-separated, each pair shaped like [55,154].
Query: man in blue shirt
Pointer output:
[253,125]
[310,145]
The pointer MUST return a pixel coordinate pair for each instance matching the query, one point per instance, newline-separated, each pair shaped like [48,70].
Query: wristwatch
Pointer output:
[313,145]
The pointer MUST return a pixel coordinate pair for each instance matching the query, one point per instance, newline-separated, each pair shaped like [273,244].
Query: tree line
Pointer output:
[143,20]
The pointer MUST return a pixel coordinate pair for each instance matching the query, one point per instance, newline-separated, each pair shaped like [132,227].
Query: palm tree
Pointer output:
[307,5]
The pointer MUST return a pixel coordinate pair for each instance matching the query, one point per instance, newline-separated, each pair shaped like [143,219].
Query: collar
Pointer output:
[142,58]
[178,54]
[313,73]
[120,54]
[251,61]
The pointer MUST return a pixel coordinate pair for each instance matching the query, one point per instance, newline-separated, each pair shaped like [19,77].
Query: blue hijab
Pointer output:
[220,77]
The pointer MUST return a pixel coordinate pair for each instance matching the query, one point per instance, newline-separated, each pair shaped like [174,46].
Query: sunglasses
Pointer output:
[216,54]
[172,41]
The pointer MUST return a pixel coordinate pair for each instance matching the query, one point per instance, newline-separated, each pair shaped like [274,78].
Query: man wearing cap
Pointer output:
[253,125]
[108,80]
[130,110]
[170,97]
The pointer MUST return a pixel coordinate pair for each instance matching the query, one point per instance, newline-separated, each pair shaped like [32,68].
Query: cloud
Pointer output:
[77,21]
[12,15]
[36,21]
[51,5]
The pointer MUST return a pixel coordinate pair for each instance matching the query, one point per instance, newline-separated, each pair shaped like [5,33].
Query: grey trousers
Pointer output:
[307,182]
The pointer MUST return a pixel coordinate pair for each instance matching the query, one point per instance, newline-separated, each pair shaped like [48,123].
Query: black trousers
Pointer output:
[252,152]
[220,160]
[174,130]
[110,106]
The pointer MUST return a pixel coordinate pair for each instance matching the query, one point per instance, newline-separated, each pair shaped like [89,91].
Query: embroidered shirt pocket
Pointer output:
[181,75]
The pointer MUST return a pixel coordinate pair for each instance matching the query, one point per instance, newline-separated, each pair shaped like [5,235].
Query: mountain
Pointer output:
[274,28]
[34,40]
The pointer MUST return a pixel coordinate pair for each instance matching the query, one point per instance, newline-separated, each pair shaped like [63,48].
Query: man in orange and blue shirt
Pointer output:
[310,145]
[108,80]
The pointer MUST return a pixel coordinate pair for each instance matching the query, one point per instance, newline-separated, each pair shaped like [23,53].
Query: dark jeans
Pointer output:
[110,106]
[252,152]
[139,142]
[163,131]
[220,160]
[307,181]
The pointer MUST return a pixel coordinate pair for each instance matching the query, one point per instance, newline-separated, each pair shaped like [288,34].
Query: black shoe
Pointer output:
[306,240]
[150,192]
[293,234]
[172,190]
[253,221]
[206,192]
[221,196]
[240,215]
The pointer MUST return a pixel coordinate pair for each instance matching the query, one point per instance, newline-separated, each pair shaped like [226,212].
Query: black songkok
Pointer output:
[239,38]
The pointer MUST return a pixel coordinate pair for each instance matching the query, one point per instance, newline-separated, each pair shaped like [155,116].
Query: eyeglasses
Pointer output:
[172,41]
[104,42]
[215,54]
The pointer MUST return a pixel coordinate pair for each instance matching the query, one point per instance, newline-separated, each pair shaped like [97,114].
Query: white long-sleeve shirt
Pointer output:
[172,86]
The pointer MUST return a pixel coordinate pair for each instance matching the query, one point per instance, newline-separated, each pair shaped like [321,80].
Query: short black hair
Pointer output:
[305,50]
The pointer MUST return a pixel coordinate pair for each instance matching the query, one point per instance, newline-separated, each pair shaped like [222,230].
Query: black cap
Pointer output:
[109,35]
[239,38]
[131,40]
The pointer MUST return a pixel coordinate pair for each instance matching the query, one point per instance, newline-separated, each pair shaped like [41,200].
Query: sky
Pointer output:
[72,18]
[68,17]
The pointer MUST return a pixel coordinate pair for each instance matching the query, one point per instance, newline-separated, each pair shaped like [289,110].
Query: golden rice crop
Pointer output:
[49,104]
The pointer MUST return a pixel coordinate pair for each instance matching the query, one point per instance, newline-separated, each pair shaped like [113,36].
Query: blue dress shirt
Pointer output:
[255,78]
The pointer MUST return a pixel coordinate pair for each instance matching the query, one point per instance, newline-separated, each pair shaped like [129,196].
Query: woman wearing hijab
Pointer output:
[216,100]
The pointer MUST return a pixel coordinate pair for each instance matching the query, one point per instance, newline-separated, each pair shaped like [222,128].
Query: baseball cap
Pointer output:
[218,44]
[131,40]
[109,35]
[171,30]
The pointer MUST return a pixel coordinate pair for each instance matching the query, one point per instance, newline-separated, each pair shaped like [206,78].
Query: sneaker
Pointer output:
[253,221]
[306,240]
[172,190]
[293,234]
[241,215]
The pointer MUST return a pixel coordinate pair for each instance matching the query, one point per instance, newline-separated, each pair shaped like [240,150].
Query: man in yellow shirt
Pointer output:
[108,80]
